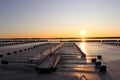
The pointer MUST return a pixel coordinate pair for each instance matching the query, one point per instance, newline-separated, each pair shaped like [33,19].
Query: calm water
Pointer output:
[109,52]
[111,58]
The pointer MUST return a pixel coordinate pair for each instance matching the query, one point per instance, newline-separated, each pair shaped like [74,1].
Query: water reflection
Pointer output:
[84,69]
[83,40]
[82,46]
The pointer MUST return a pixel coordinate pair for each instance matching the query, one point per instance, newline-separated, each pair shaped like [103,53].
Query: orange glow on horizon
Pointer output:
[57,35]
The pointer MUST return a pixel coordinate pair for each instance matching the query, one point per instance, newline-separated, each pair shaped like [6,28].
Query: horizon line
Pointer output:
[67,38]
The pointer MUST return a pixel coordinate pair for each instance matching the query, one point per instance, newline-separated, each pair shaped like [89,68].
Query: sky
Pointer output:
[59,18]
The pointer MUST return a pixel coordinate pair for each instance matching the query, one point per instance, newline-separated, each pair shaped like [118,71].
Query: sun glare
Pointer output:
[83,32]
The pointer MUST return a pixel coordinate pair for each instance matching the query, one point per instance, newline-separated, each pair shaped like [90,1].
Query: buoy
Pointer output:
[28,48]
[97,64]
[8,53]
[34,46]
[103,68]
[99,57]
[93,60]
[1,55]
[20,50]
[4,62]
[25,49]
[15,52]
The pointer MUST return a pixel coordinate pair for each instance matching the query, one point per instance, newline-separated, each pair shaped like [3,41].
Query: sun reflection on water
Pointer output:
[83,47]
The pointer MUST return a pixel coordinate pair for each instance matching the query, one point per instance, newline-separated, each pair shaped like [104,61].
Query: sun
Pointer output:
[83,32]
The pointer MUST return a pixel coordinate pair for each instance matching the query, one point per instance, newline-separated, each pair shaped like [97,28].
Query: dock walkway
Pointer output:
[72,63]
[69,54]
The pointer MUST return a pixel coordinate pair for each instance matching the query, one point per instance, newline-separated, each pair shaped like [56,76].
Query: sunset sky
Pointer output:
[59,18]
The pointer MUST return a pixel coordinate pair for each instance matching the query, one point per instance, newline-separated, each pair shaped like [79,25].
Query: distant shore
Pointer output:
[87,39]
[69,38]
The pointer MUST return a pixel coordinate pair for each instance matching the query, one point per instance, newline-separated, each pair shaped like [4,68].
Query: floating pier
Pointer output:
[73,57]
[49,57]
[42,56]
